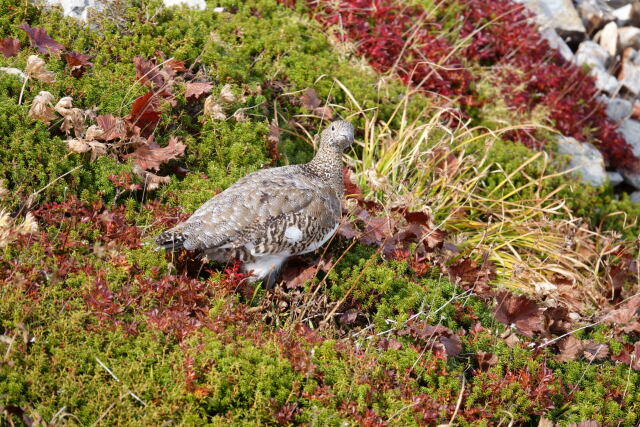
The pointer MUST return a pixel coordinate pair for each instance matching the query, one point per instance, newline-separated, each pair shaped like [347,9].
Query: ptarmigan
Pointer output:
[271,214]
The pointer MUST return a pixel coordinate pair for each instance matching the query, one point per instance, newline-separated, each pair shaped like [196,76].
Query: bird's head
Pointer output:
[338,134]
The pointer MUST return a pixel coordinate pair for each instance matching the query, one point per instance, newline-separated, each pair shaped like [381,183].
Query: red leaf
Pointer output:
[145,113]
[194,90]
[467,272]
[41,40]
[151,155]
[77,62]
[520,311]
[147,72]
[9,46]
[176,65]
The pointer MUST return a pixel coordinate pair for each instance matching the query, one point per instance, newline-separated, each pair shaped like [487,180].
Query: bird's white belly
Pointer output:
[315,245]
[263,265]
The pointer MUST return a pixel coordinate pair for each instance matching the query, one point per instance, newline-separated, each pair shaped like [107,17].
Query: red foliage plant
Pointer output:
[400,39]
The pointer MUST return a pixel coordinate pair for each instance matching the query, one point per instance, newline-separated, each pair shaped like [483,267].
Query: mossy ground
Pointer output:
[98,327]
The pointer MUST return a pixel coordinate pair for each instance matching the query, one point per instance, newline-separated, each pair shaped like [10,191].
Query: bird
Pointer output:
[271,214]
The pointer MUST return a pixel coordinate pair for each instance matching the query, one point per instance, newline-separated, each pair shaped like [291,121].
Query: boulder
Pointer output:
[586,160]
[560,15]
[615,178]
[630,129]
[618,109]
[629,37]
[556,42]
[78,9]
[592,54]
[595,14]
[608,38]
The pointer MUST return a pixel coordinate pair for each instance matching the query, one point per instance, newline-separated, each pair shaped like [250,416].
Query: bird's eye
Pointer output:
[333,128]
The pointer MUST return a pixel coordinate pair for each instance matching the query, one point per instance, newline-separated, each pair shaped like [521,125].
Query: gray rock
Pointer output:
[595,14]
[608,38]
[557,14]
[635,197]
[615,4]
[618,109]
[556,42]
[615,178]
[629,37]
[605,82]
[586,160]
[630,129]
[592,54]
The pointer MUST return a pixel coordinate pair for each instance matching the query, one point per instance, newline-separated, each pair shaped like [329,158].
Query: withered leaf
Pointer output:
[594,350]
[486,360]
[73,118]
[570,349]
[377,230]
[452,344]
[519,311]
[311,101]
[36,69]
[147,72]
[194,90]
[79,145]
[41,40]
[112,127]
[42,107]
[273,141]
[145,112]
[213,109]
[474,276]
[349,317]
[9,46]
[151,181]
[226,95]
[77,63]
[627,313]
[298,271]
[151,155]
[176,65]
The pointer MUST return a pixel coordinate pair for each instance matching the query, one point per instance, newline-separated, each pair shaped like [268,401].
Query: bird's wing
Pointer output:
[243,211]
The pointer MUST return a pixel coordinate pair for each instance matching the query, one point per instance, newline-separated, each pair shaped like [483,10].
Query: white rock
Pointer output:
[14,71]
[635,197]
[617,109]
[557,14]
[195,4]
[608,38]
[592,54]
[556,42]
[585,160]
[629,37]
[623,14]
[615,178]
[605,81]
[78,9]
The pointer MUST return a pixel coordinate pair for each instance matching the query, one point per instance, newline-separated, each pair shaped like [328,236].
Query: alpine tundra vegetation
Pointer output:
[473,280]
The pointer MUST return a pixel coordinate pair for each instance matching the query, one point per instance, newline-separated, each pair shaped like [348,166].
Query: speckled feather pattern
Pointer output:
[272,213]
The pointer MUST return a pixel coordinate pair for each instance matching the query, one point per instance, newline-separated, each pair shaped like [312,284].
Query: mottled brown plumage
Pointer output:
[271,214]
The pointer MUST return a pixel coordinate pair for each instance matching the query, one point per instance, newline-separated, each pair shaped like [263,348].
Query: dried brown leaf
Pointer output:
[311,101]
[570,348]
[151,155]
[595,351]
[145,112]
[36,69]
[112,127]
[486,360]
[213,109]
[9,46]
[73,118]
[273,141]
[226,95]
[151,181]
[194,90]
[42,108]
[519,311]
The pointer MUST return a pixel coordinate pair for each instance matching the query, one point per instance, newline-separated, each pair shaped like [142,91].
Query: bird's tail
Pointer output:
[171,240]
